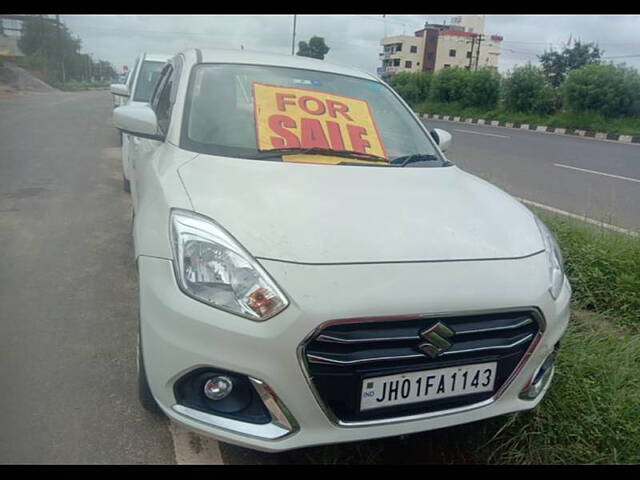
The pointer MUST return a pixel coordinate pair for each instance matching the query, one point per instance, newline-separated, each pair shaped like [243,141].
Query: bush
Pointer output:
[450,85]
[412,87]
[527,90]
[479,88]
[606,89]
[483,88]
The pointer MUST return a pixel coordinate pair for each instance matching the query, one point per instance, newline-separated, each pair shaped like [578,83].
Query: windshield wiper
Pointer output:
[324,151]
[405,160]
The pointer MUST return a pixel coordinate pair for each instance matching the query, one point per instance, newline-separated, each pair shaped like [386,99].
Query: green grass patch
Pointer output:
[581,121]
[603,268]
[591,414]
[74,86]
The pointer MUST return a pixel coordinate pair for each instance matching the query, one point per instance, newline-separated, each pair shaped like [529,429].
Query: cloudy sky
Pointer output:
[354,39]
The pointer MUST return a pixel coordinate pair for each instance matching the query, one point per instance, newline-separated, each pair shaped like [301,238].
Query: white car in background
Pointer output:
[314,270]
[137,91]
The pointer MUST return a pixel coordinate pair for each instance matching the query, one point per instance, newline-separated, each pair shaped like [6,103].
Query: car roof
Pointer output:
[156,57]
[272,59]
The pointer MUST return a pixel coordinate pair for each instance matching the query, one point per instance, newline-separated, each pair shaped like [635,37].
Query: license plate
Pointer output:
[427,385]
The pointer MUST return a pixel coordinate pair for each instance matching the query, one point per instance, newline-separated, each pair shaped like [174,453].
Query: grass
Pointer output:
[581,121]
[603,268]
[74,86]
[591,414]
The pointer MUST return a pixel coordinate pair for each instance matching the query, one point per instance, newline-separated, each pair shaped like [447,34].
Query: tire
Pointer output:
[145,397]
[126,184]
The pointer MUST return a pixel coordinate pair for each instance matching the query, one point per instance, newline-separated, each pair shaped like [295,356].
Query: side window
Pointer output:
[162,100]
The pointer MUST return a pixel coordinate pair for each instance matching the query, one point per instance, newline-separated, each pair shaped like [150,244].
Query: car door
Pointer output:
[141,149]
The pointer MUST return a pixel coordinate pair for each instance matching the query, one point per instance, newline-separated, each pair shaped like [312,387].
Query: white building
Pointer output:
[461,44]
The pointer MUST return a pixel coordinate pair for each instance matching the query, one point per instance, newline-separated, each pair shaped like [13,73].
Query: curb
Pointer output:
[536,128]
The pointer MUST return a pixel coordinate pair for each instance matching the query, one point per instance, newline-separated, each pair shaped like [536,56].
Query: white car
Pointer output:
[313,269]
[135,92]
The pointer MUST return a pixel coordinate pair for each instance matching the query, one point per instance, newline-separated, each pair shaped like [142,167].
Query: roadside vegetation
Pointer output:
[75,86]
[573,88]
[55,56]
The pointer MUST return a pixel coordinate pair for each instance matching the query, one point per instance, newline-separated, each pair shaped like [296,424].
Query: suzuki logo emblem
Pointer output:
[436,338]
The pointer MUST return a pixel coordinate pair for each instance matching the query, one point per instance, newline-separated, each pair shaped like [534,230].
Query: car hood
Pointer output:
[324,214]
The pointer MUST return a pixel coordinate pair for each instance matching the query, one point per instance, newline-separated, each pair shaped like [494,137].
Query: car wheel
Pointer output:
[145,397]
[126,184]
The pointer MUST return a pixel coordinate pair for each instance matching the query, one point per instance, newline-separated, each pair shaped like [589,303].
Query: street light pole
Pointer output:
[61,47]
[293,40]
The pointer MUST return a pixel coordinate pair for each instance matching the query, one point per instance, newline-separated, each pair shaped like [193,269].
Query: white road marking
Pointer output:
[480,133]
[598,173]
[583,218]
[193,449]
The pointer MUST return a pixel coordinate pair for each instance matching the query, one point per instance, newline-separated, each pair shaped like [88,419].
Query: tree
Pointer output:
[39,42]
[557,65]
[610,90]
[316,48]
[527,90]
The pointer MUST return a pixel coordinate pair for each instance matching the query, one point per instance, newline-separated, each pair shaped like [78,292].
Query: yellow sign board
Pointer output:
[302,118]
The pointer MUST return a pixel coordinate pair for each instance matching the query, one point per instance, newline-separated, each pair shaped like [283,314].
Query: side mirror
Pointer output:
[138,121]
[119,89]
[442,138]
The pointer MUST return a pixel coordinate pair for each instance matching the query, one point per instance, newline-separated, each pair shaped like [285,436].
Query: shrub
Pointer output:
[412,87]
[611,90]
[483,88]
[450,85]
[527,90]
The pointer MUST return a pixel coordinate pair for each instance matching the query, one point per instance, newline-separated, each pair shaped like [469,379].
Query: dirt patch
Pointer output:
[14,78]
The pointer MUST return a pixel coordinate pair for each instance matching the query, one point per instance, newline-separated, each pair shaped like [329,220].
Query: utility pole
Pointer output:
[293,40]
[480,39]
[473,43]
[60,46]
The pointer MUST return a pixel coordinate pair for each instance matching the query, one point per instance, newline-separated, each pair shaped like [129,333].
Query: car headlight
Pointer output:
[554,257]
[211,266]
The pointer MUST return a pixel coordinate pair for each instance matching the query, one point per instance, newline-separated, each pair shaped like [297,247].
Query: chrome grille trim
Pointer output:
[318,359]
[336,339]
[333,339]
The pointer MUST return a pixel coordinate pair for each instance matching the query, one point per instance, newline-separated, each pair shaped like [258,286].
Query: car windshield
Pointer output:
[265,112]
[147,78]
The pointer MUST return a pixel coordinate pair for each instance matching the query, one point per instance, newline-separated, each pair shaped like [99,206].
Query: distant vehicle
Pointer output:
[137,90]
[313,269]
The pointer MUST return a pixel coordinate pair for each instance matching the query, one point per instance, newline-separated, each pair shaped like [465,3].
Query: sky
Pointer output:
[354,39]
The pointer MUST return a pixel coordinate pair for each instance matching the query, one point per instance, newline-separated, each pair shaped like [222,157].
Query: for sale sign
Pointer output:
[301,118]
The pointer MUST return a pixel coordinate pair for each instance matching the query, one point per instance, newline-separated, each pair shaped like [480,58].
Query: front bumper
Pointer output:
[180,334]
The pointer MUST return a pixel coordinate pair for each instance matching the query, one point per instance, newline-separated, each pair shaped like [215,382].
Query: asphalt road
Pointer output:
[68,290]
[68,293]
[550,169]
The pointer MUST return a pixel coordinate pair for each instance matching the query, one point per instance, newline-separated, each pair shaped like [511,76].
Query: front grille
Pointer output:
[340,356]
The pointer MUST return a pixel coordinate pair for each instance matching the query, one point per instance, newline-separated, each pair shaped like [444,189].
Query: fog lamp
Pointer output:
[217,388]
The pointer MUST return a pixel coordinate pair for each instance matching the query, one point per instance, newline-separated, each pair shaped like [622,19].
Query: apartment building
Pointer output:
[461,44]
